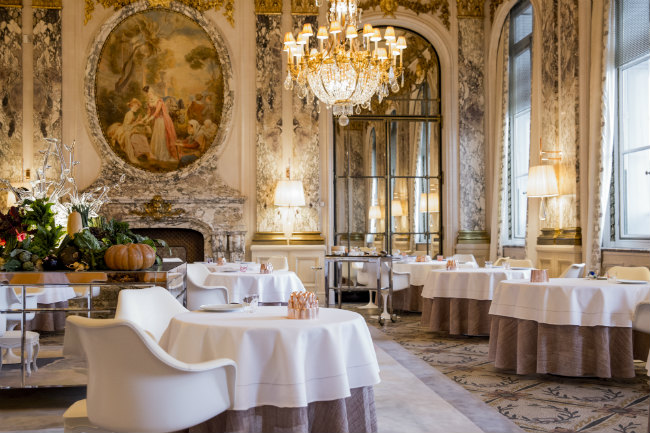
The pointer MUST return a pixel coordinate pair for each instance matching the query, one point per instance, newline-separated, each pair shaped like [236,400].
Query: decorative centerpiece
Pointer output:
[32,233]
[303,305]
[538,276]
[451,265]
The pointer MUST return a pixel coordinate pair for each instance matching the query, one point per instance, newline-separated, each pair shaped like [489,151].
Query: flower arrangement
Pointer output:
[32,236]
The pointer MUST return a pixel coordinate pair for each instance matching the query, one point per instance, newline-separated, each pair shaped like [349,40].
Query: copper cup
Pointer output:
[538,276]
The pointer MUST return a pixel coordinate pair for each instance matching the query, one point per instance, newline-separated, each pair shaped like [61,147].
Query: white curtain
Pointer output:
[498,224]
[601,129]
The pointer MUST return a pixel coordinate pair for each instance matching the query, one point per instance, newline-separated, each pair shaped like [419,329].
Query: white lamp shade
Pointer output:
[429,202]
[289,193]
[396,208]
[542,181]
[374,213]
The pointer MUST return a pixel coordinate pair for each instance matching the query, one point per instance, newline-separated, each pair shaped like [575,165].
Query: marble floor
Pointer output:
[412,397]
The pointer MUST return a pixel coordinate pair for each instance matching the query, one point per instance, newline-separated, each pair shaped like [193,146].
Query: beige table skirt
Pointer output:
[528,347]
[458,316]
[49,322]
[355,414]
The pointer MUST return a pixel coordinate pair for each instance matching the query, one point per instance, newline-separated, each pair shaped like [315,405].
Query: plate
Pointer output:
[227,270]
[221,308]
[631,282]
[519,268]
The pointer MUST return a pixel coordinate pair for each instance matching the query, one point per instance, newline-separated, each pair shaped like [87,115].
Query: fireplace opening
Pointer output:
[186,244]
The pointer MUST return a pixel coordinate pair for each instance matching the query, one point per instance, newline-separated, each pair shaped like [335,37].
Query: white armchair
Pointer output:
[576,270]
[151,309]
[521,263]
[12,298]
[462,259]
[367,277]
[198,293]
[134,385]
[630,272]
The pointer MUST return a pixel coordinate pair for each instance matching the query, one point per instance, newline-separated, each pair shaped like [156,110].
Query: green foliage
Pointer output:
[47,235]
[45,242]
[92,250]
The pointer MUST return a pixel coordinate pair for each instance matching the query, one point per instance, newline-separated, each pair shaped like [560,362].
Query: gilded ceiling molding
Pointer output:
[199,5]
[494,5]
[268,7]
[389,7]
[47,4]
[470,8]
[304,7]
[11,3]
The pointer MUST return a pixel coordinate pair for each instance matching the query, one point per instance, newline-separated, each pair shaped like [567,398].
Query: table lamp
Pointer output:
[288,194]
[542,183]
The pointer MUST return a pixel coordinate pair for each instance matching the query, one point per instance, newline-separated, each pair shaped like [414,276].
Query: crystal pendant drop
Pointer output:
[344,120]
[358,110]
[288,82]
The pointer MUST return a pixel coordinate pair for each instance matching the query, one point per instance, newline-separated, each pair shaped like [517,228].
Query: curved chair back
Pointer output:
[522,263]
[134,385]
[198,292]
[13,299]
[630,272]
[500,261]
[151,309]
[641,321]
[280,263]
[576,270]
[464,258]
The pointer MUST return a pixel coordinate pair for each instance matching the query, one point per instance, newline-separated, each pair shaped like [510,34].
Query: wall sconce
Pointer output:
[288,194]
[396,208]
[542,183]
[429,202]
[374,213]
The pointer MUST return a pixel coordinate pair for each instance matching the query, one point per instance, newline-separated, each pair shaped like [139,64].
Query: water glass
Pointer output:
[250,303]
[208,260]
[488,264]
[243,268]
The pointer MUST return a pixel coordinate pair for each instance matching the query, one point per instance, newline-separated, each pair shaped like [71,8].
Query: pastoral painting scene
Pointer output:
[159,90]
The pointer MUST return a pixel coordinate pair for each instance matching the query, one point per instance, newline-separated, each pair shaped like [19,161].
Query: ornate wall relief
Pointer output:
[433,7]
[11,94]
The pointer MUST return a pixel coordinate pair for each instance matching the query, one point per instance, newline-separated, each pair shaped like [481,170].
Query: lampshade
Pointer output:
[433,204]
[374,212]
[289,193]
[396,208]
[542,181]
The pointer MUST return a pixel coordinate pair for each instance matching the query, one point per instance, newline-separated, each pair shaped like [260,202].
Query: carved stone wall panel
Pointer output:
[439,8]
[11,94]
[471,102]
[305,158]
[47,78]
[268,82]
[304,7]
[569,115]
[268,7]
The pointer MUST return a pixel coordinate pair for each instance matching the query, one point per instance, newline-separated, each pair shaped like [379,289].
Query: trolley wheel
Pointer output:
[382,322]
[393,318]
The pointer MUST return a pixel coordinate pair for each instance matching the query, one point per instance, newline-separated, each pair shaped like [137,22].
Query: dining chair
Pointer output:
[367,278]
[199,293]
[151,309]
[465,258]
[576,270]
[134,385]
[500,261]
[12,297]
[640,273]
[521,263]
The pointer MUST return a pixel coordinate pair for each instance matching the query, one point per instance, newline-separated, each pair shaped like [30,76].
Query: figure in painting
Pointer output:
[195,109]
[131,134]
[163,134]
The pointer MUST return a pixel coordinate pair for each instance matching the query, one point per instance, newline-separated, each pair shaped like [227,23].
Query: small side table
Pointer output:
[12,340]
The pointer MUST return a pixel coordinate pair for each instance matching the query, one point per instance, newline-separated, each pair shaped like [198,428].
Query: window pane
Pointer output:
[523,24]
[521,143]
[522,82]
[636,192]
[633,107]
[519,207]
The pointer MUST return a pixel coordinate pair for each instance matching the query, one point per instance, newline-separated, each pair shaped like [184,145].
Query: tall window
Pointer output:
[630,210]
[521,35]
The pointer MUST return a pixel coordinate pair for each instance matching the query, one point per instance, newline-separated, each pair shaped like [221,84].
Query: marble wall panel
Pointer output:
[305,155]
[569,115]
[471,102]
[11,94]
[268,82]
[47,78]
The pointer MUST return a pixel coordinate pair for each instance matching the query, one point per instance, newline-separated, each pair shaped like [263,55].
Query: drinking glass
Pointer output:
[250,303]
[488,264]
[208,259]
[243,268]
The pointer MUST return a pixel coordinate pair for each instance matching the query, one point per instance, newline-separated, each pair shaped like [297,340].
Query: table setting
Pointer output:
[458,300]
[566,326]
[286,367]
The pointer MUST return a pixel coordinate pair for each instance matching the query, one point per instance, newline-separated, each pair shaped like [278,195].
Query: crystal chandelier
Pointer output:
[344,72]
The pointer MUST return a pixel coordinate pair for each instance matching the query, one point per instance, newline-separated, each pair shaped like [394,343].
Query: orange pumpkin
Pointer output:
[129,257]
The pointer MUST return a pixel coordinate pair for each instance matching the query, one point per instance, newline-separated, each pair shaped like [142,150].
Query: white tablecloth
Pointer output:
[274,287]
[280,362]
[569,301]
[468,283]
[418,270]
[53,294]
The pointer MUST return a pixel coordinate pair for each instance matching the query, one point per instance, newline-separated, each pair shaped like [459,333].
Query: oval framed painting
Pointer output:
[160,89]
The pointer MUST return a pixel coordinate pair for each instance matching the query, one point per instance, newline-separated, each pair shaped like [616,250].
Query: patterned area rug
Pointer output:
[536,403]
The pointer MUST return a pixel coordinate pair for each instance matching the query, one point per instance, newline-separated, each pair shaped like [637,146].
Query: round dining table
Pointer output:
[290,373]
[458,301]
[566,326]
[51,296]
[271,288]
